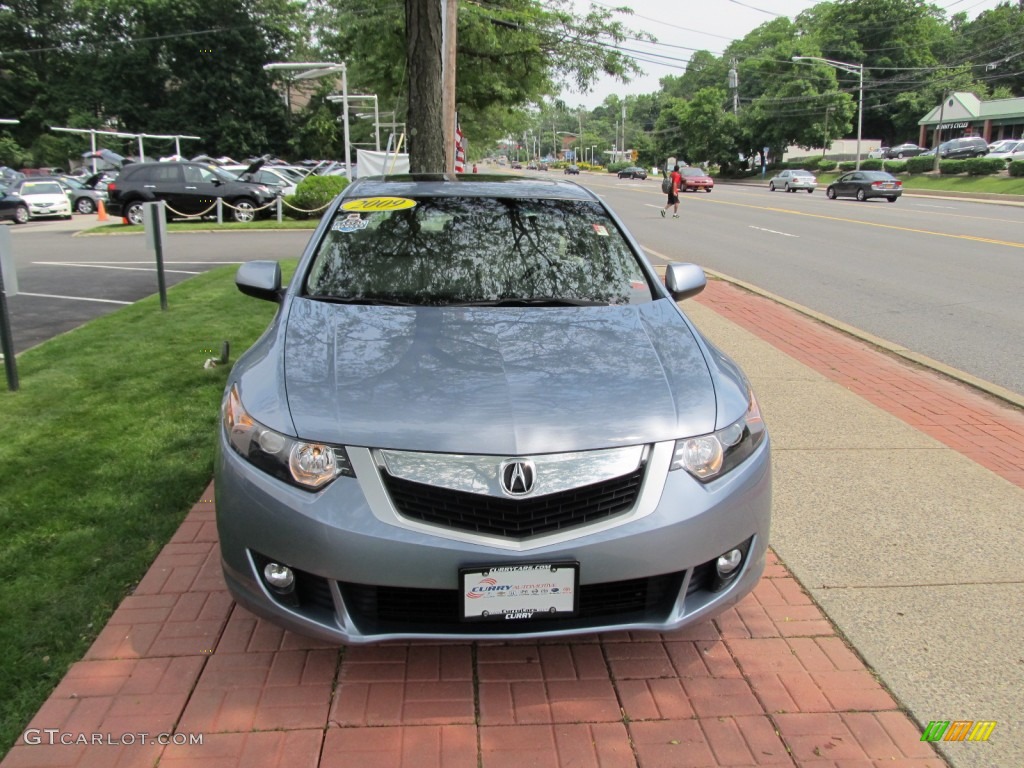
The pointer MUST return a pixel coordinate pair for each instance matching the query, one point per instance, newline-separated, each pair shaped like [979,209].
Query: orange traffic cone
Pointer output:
[101,211]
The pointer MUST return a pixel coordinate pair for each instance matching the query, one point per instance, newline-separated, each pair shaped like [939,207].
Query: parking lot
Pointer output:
[65,280]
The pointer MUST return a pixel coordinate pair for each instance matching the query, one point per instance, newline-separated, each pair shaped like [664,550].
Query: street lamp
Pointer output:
[592,148]
[854,69]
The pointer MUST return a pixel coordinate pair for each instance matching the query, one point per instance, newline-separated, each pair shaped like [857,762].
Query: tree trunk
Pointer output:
[423,35]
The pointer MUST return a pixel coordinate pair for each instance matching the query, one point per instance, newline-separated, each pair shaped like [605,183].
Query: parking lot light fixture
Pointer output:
[855,69]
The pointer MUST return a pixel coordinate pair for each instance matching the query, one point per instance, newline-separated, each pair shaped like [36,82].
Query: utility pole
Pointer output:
[734,84]
[450,22]
[938,131]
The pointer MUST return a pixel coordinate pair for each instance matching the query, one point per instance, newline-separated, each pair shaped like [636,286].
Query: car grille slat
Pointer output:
[382,609]
[514,518]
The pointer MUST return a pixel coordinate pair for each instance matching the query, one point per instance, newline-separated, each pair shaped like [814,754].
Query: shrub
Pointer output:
[1017,168]
[847,165]
[312,194]
[893,166]
[920,164]
[616,167]
[984,166]
[952,167]
[872,164]
[825,165]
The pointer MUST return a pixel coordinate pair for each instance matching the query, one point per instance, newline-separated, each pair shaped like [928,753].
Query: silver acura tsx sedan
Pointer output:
[479,413]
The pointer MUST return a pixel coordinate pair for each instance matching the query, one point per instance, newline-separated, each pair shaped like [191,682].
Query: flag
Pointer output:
[460,149]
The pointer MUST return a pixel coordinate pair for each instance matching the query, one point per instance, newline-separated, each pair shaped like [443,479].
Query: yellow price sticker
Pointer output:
[370,204]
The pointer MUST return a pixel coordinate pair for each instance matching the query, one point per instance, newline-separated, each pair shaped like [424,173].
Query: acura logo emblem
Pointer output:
[517,476]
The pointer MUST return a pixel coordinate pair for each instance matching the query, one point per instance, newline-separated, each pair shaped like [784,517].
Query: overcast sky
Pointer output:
[681,26]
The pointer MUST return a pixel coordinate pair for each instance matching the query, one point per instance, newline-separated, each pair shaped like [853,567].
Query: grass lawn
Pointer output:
[104,449]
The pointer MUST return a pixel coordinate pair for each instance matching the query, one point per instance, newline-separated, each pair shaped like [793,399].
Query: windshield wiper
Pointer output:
[540,301]
[362,300]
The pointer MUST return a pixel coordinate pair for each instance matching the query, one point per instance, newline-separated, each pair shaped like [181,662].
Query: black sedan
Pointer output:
[903,150]
[12,207]
[866,184]
[633,172]
[572,169]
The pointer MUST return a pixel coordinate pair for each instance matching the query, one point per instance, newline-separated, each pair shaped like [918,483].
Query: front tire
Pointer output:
[899,156]
[861,196]
[85,205]
[830,193]
[133,212]
[21,215]
[810,191]
[891,199]
[771,186]
[244,210]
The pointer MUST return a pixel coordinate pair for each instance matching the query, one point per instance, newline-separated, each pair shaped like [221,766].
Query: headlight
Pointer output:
[306,465]
[708,457]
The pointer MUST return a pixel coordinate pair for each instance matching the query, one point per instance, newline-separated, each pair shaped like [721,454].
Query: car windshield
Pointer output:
[42,188]
[477,251]
[73,183]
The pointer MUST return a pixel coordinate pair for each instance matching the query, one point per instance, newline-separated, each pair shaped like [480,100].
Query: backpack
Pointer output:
[666,185]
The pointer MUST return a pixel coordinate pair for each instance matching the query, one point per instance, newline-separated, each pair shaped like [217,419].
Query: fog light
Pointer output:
[278,576]
[727,564]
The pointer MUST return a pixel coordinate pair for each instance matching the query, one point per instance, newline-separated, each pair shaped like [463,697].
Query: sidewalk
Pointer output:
[898,498]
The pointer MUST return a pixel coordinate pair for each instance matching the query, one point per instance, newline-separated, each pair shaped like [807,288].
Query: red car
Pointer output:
[695,178]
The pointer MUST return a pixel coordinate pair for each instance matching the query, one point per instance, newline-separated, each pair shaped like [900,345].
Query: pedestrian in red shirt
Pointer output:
[673,195]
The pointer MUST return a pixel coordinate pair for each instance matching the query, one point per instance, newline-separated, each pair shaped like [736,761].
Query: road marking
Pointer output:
[772,231]
[104,266]
[972,238]
[71,298]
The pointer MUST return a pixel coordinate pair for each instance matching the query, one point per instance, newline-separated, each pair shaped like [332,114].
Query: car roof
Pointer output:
[477,185]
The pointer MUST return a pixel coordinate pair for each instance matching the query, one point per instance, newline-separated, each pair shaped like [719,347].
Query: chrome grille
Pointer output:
[514,518]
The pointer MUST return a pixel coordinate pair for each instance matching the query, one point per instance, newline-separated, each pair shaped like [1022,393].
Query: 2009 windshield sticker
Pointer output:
[351,223]
[370,204]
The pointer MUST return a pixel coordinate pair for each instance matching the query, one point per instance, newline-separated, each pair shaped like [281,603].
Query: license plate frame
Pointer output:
[518,592]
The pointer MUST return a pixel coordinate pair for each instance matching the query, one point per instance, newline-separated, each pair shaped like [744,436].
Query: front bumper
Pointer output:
[38,211]
[361,578]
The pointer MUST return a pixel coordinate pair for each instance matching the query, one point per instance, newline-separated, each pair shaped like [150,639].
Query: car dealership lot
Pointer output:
[65,281]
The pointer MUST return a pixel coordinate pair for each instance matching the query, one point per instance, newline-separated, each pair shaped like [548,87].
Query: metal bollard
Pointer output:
[220,211]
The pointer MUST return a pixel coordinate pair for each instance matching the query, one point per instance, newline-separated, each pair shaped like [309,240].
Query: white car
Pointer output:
[278,181]
[878,153]
[45,198]
[1001,145]
[792,180]
[1009,152]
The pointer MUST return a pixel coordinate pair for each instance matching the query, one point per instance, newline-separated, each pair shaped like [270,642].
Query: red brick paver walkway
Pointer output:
[768,683]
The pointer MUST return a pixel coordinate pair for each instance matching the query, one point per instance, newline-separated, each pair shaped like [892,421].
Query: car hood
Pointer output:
[509,381]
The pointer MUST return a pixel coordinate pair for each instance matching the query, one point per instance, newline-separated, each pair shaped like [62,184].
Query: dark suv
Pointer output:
[187,189]
[968,146]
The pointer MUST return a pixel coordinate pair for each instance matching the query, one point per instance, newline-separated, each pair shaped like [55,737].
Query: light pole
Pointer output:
[592,148]
[854,69]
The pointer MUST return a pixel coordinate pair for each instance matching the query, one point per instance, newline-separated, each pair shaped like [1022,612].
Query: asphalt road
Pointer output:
[940,277]
[65,280]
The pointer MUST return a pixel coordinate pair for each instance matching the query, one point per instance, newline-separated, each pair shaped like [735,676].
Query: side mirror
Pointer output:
[260,279]
[684,281]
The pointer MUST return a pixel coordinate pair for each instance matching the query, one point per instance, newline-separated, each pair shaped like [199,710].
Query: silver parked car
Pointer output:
[792,180]
[479,413]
